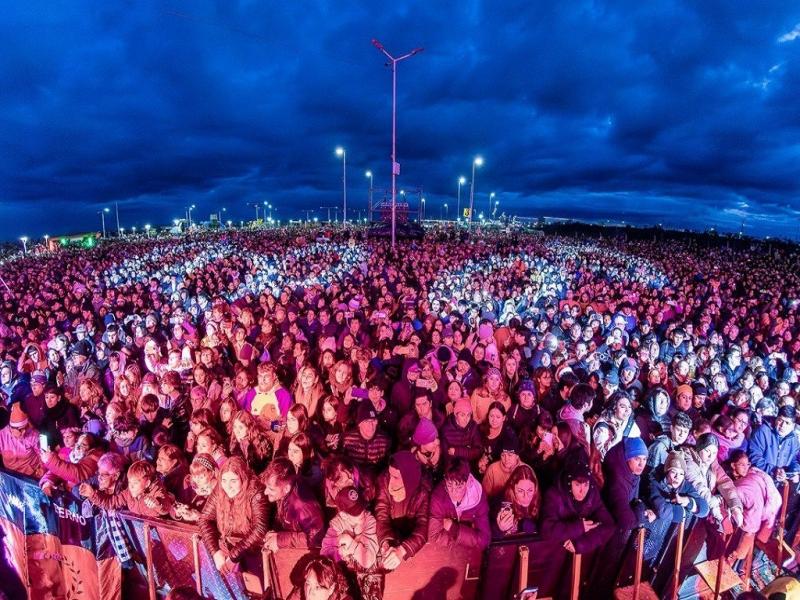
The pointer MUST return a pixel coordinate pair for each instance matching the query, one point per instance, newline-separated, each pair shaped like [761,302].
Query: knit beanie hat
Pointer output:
[466,356]
[675,460]
[350,501]
[410,470]
[18,417]
[425,432]
[577,470]
[634,447]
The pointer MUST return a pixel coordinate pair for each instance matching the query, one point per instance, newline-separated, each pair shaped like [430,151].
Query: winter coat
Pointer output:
[658,451]
[769,452]
[228,536]
[155,492]
[470,528]
[562,518]
[659,495]
[760,498]
[712,483]
[403,523]
[71,473]
[21,455]
[367,454]
[621,490]
[482,398]
[62,415]
[299,521]
[466,441]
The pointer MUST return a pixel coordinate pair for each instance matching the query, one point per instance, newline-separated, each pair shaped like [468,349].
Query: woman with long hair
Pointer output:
[322,580]
[518,509]
[296,422]
[327,430]
[308,389]
[234,519]
[250,441]
[300,451]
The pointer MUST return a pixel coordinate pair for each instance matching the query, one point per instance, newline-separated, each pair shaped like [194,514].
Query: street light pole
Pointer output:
[116,208]
[103,220]
[445,211]
[423,211]
[477,162]
[24,240]
[369,204]
[461,181]
[343,153]
[491,197]
[395,164]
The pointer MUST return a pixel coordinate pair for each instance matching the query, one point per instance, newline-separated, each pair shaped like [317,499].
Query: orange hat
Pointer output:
[684,389]
[18,417]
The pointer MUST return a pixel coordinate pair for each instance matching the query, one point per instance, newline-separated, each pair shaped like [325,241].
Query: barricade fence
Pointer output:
[59,547]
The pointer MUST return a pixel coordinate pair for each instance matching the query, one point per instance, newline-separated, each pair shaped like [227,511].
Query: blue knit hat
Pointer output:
[634,447]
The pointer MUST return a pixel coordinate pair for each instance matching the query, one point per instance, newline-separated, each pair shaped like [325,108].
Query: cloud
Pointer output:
[666,111]
[791,36]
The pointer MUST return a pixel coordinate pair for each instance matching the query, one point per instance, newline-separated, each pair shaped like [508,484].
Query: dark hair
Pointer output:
[681,419]
[735,455]
[457,470]
[282,470]
[787,411]
[581,396]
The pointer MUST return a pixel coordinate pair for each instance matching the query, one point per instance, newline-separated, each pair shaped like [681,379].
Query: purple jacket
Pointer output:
[562,518]
[470,528]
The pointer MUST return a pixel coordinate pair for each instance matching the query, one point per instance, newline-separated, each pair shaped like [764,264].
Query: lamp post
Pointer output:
[422,218]
[256,207]
[445,211]
[477,162]
[461,181]
[147,229]
[369,202]
[491,197]
[46,240]
[395,164]
[343,153]
[103,219]
[24,240]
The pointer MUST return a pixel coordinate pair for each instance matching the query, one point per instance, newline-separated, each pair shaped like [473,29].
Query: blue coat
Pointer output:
[769,452]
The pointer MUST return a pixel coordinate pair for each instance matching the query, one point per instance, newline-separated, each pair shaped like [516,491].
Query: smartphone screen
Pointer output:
[43,443]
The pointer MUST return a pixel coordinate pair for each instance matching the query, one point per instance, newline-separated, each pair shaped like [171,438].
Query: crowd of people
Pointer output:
[314,389]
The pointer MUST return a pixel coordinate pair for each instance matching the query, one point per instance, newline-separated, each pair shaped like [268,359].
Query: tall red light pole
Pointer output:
[395,164]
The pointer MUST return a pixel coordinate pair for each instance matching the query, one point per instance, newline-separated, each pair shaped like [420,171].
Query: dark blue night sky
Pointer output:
[684,113]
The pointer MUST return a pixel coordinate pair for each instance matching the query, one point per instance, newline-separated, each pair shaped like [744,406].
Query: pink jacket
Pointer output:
[760,499]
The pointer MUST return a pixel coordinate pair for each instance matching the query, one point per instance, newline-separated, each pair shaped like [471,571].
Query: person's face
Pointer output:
[275,492]
[204,445]
[684,401]
[231,484]
[202,483]
[266,379]
[637,464]
[741,467]
[623,409]
[708,455]
[627,375]
[328,413]
[661,404]
[678,433]
[675,477]
[496,419]
[456,490]
[107,478]
[422,406]
[164,464]
[308,378]
[580,489]
[493,383]
[315,590]
[367,428]
[292,424]
[463,417]
[546,378]
[341,374]
[239,430]
[136,486]
[397,489]
[524,492]
[295,454]
[509,461]
[740,423]
[51,399]
[784,426]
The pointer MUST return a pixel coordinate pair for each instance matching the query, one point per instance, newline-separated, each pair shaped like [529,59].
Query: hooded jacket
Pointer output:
[760,498]
[562,517]
[768,451]
[217,533]
[404,523]
[470,528]
[621,490]
[466,441]
[712,483]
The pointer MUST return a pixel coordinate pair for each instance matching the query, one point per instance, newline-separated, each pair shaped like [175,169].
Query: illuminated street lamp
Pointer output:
[147,229]
[422,218]
[103,219]
[477,162]
[369,175]
[491,197]
[395,164]
[24,240]
[343,153]
[461,181]
[445,211]
[46,238]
